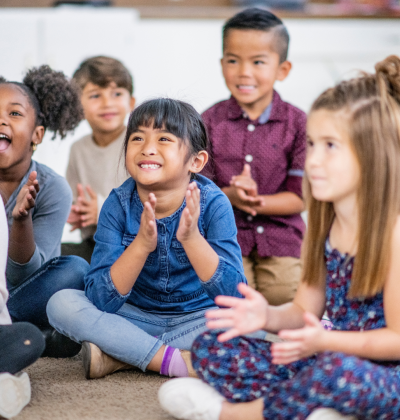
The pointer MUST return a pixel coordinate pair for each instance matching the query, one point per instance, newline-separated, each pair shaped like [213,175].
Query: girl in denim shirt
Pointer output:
[165,248]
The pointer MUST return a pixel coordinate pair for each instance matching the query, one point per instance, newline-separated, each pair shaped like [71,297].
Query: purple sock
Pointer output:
[173,364]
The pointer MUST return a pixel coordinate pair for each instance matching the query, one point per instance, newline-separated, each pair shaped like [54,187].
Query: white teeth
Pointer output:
[246,87]
[150,166]
[3,136]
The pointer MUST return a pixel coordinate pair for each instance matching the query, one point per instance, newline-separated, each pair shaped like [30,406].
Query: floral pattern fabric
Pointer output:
[241,369]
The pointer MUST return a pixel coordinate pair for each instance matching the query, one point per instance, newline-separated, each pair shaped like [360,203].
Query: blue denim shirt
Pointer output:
[167,283]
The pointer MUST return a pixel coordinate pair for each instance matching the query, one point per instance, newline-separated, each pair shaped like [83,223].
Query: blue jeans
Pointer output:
[130,335]
[28,300]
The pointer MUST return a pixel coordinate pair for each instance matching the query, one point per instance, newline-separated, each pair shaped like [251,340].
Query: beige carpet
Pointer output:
[60,391]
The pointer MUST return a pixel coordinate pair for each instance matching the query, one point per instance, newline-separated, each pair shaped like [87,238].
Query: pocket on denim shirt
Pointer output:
[180,252]
[127,240]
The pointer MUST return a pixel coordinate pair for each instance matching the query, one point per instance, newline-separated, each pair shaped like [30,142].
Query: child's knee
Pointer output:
[62,305]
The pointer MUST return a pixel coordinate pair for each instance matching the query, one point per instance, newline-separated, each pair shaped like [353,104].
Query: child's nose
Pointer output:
[149,149]
[245,69]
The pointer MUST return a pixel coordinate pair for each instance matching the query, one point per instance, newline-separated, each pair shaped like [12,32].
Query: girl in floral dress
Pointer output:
[351,260]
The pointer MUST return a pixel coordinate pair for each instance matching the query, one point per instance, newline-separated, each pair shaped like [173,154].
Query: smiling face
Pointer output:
[158,160]
[250,66]
[105,108]
[332,167]
[18,129]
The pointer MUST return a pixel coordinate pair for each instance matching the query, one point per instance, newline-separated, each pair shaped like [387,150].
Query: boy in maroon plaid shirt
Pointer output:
[257,152]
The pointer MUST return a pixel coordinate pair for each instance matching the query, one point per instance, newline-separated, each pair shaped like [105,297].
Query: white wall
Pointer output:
[180,58]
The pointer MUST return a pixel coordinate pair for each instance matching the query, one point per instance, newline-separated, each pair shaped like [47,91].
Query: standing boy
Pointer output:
[257,152]
[95,165]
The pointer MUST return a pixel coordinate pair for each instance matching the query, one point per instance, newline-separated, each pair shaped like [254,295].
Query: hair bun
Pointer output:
[388,70]
[59,99]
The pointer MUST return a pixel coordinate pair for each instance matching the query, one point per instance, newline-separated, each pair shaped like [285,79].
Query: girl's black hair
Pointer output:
[55,100]
[177,117]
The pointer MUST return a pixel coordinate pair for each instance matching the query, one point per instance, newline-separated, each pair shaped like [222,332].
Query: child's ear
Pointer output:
[284,70]
[132,103]
[37,135]
[198,162]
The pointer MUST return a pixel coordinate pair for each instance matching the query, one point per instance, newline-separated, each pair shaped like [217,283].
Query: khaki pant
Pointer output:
[276,278]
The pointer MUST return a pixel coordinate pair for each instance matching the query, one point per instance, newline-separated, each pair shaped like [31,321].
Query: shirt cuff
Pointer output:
[113,290]
[294,184]
[17,273]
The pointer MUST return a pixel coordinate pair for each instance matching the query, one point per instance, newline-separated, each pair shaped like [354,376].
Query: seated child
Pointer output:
[351,268]
[257,151]
[37,200]
[95,166]
[20,344]
[165,248]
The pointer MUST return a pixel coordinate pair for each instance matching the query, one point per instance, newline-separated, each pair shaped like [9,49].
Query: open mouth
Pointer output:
[5,142]
[246,88]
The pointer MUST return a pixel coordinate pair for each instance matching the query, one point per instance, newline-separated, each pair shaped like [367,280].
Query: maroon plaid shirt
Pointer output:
[275,150]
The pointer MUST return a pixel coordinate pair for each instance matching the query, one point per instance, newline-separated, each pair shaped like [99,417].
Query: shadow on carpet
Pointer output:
[60,391]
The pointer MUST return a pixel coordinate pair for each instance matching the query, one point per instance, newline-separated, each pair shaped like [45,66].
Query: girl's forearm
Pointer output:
[380,344]
[287,316]
[125,271]
[202,257]
[22,242]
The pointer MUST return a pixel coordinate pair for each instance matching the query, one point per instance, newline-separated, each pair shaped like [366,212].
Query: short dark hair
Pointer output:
[102,71]
[55,100]
[177,117]
[260,20]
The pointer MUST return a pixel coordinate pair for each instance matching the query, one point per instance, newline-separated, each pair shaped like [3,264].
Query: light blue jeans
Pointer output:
[130,335]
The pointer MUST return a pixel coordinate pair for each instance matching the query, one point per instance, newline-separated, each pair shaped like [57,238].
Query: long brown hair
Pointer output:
[371,105]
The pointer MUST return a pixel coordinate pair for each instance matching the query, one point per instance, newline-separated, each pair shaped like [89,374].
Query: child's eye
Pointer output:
[258,62]
[136,138]
[330,145]
[95,96]
[15,114]
[232,61]
[164,139]
[118,93]
[310,143]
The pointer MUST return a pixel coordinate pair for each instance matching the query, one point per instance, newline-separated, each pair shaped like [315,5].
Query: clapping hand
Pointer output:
[26,198]
[243,316]
[188,227]
[244,194]
[148,227]
[300,343]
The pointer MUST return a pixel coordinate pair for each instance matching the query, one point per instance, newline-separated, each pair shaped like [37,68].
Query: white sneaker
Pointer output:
[190,399]
[15,393]
[328,414]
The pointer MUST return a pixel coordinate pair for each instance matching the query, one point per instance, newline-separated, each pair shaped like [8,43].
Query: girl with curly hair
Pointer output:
[37,200]
[351,269]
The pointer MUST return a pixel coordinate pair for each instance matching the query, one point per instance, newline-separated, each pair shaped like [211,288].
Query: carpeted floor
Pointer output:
[60,391]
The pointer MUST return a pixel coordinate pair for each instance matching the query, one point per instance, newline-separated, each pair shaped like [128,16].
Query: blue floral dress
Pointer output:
[241,369]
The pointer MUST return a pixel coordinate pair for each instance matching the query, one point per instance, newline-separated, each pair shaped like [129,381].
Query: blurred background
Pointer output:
[173,47]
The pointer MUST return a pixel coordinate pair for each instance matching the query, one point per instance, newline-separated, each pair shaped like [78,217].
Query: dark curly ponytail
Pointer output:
[55,99]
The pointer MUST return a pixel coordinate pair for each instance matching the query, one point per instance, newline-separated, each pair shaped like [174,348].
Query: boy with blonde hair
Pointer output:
[95,166]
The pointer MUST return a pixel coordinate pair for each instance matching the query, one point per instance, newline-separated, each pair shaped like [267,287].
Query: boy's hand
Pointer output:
[243,192]
[245,181]
[148,227]
[86,209]
[300,343]
[244,316]
[74,219]
[26,198]
[188,227]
